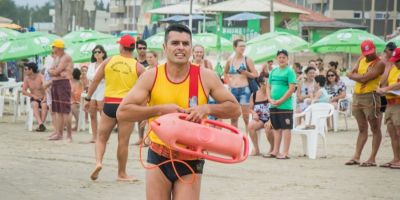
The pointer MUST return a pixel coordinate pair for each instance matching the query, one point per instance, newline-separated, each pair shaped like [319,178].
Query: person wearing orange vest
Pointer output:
[392,114]
[120,73]
[366,102]
[176,86]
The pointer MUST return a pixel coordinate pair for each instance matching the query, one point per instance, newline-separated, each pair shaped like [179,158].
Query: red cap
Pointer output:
[367,47]
[395,56]
[127,41]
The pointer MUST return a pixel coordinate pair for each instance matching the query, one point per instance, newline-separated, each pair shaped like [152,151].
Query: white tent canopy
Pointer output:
[262,6]
[178,9]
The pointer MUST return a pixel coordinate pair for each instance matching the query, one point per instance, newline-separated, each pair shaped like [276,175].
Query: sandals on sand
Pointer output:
[386,165]
[269,156]
[393,166]
[368,164]
[352,162]
[283,158]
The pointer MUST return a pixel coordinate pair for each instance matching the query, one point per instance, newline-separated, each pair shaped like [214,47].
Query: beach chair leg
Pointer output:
[335,120]
[1,106]
[305,143]
[312,141]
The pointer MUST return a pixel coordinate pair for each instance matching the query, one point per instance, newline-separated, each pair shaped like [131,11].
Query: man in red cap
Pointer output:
[120,73]
[392,115]
[366,102]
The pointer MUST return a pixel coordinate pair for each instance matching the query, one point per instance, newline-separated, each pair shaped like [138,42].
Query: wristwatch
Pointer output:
[87,98]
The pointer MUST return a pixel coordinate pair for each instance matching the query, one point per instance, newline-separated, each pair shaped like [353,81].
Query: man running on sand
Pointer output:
[366,102]
[167,89]
[61,74]
[120,73]
[34,82]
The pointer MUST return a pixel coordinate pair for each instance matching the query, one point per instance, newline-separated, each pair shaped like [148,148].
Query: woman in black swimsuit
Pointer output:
[259,109]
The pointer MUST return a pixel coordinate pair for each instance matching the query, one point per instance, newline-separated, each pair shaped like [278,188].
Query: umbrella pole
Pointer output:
[204,23]
[349,60]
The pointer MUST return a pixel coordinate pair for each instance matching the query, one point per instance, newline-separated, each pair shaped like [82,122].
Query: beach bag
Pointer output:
[253,85]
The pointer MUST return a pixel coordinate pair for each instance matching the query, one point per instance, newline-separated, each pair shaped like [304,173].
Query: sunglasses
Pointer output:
[97,52]
[142,48]
[330,75]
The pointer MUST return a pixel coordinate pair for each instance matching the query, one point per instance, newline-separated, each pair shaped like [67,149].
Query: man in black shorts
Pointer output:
[282,82]
[167,90]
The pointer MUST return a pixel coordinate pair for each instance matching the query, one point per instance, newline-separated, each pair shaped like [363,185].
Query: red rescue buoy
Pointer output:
[202,140]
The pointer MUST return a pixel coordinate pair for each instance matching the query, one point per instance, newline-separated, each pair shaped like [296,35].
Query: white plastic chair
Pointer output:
[82,121]
[315,124]
[29,115]
[346,113]
[10,93]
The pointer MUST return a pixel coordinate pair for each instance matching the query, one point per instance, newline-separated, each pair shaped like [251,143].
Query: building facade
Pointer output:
[382,17]
[71,15]
[124,15]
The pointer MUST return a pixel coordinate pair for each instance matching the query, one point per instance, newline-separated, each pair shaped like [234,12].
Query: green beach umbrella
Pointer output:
[7,34]
[84,36]
[156,41]
[265,46]
[346,41]
[82,51]
[396,40]
[209,41]
[26,45]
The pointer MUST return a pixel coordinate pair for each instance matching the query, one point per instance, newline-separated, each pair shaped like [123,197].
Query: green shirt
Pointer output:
[279,80]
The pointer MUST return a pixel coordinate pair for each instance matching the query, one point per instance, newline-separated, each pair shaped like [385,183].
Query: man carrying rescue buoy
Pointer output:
[176,86]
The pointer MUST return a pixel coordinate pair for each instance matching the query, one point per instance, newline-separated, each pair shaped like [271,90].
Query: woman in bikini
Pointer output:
[237,71]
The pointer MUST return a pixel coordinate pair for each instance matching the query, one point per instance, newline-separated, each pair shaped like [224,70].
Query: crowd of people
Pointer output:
[124,90]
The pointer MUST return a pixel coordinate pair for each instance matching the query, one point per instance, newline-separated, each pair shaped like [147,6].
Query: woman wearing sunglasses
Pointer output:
[96,102]
[336,89]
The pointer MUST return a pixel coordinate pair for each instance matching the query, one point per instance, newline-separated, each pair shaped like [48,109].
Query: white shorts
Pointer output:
[98,95]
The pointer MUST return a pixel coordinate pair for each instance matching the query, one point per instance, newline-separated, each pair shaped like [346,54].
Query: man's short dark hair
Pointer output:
[141,42]
[76,74]
[131,49]
[391,46]
[33,66]
[177,28]
[283,51]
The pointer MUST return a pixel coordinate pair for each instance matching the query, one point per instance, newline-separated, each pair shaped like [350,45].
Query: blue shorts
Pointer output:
[242,95]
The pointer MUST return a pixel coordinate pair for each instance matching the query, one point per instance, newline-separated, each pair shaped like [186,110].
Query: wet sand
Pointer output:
[31,167]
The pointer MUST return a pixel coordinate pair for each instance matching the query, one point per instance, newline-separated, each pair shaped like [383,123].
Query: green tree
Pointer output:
[8,9]
[21,14]
[99,4]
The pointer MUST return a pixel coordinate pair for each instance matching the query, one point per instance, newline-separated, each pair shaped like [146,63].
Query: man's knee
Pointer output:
[375,125]
[35,105]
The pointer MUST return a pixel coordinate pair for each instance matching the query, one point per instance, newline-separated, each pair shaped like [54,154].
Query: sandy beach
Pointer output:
[31,167]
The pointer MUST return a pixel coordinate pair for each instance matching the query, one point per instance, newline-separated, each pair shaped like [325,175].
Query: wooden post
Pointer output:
[372,17]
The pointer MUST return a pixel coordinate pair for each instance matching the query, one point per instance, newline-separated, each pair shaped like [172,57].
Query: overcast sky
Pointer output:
[39,2]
